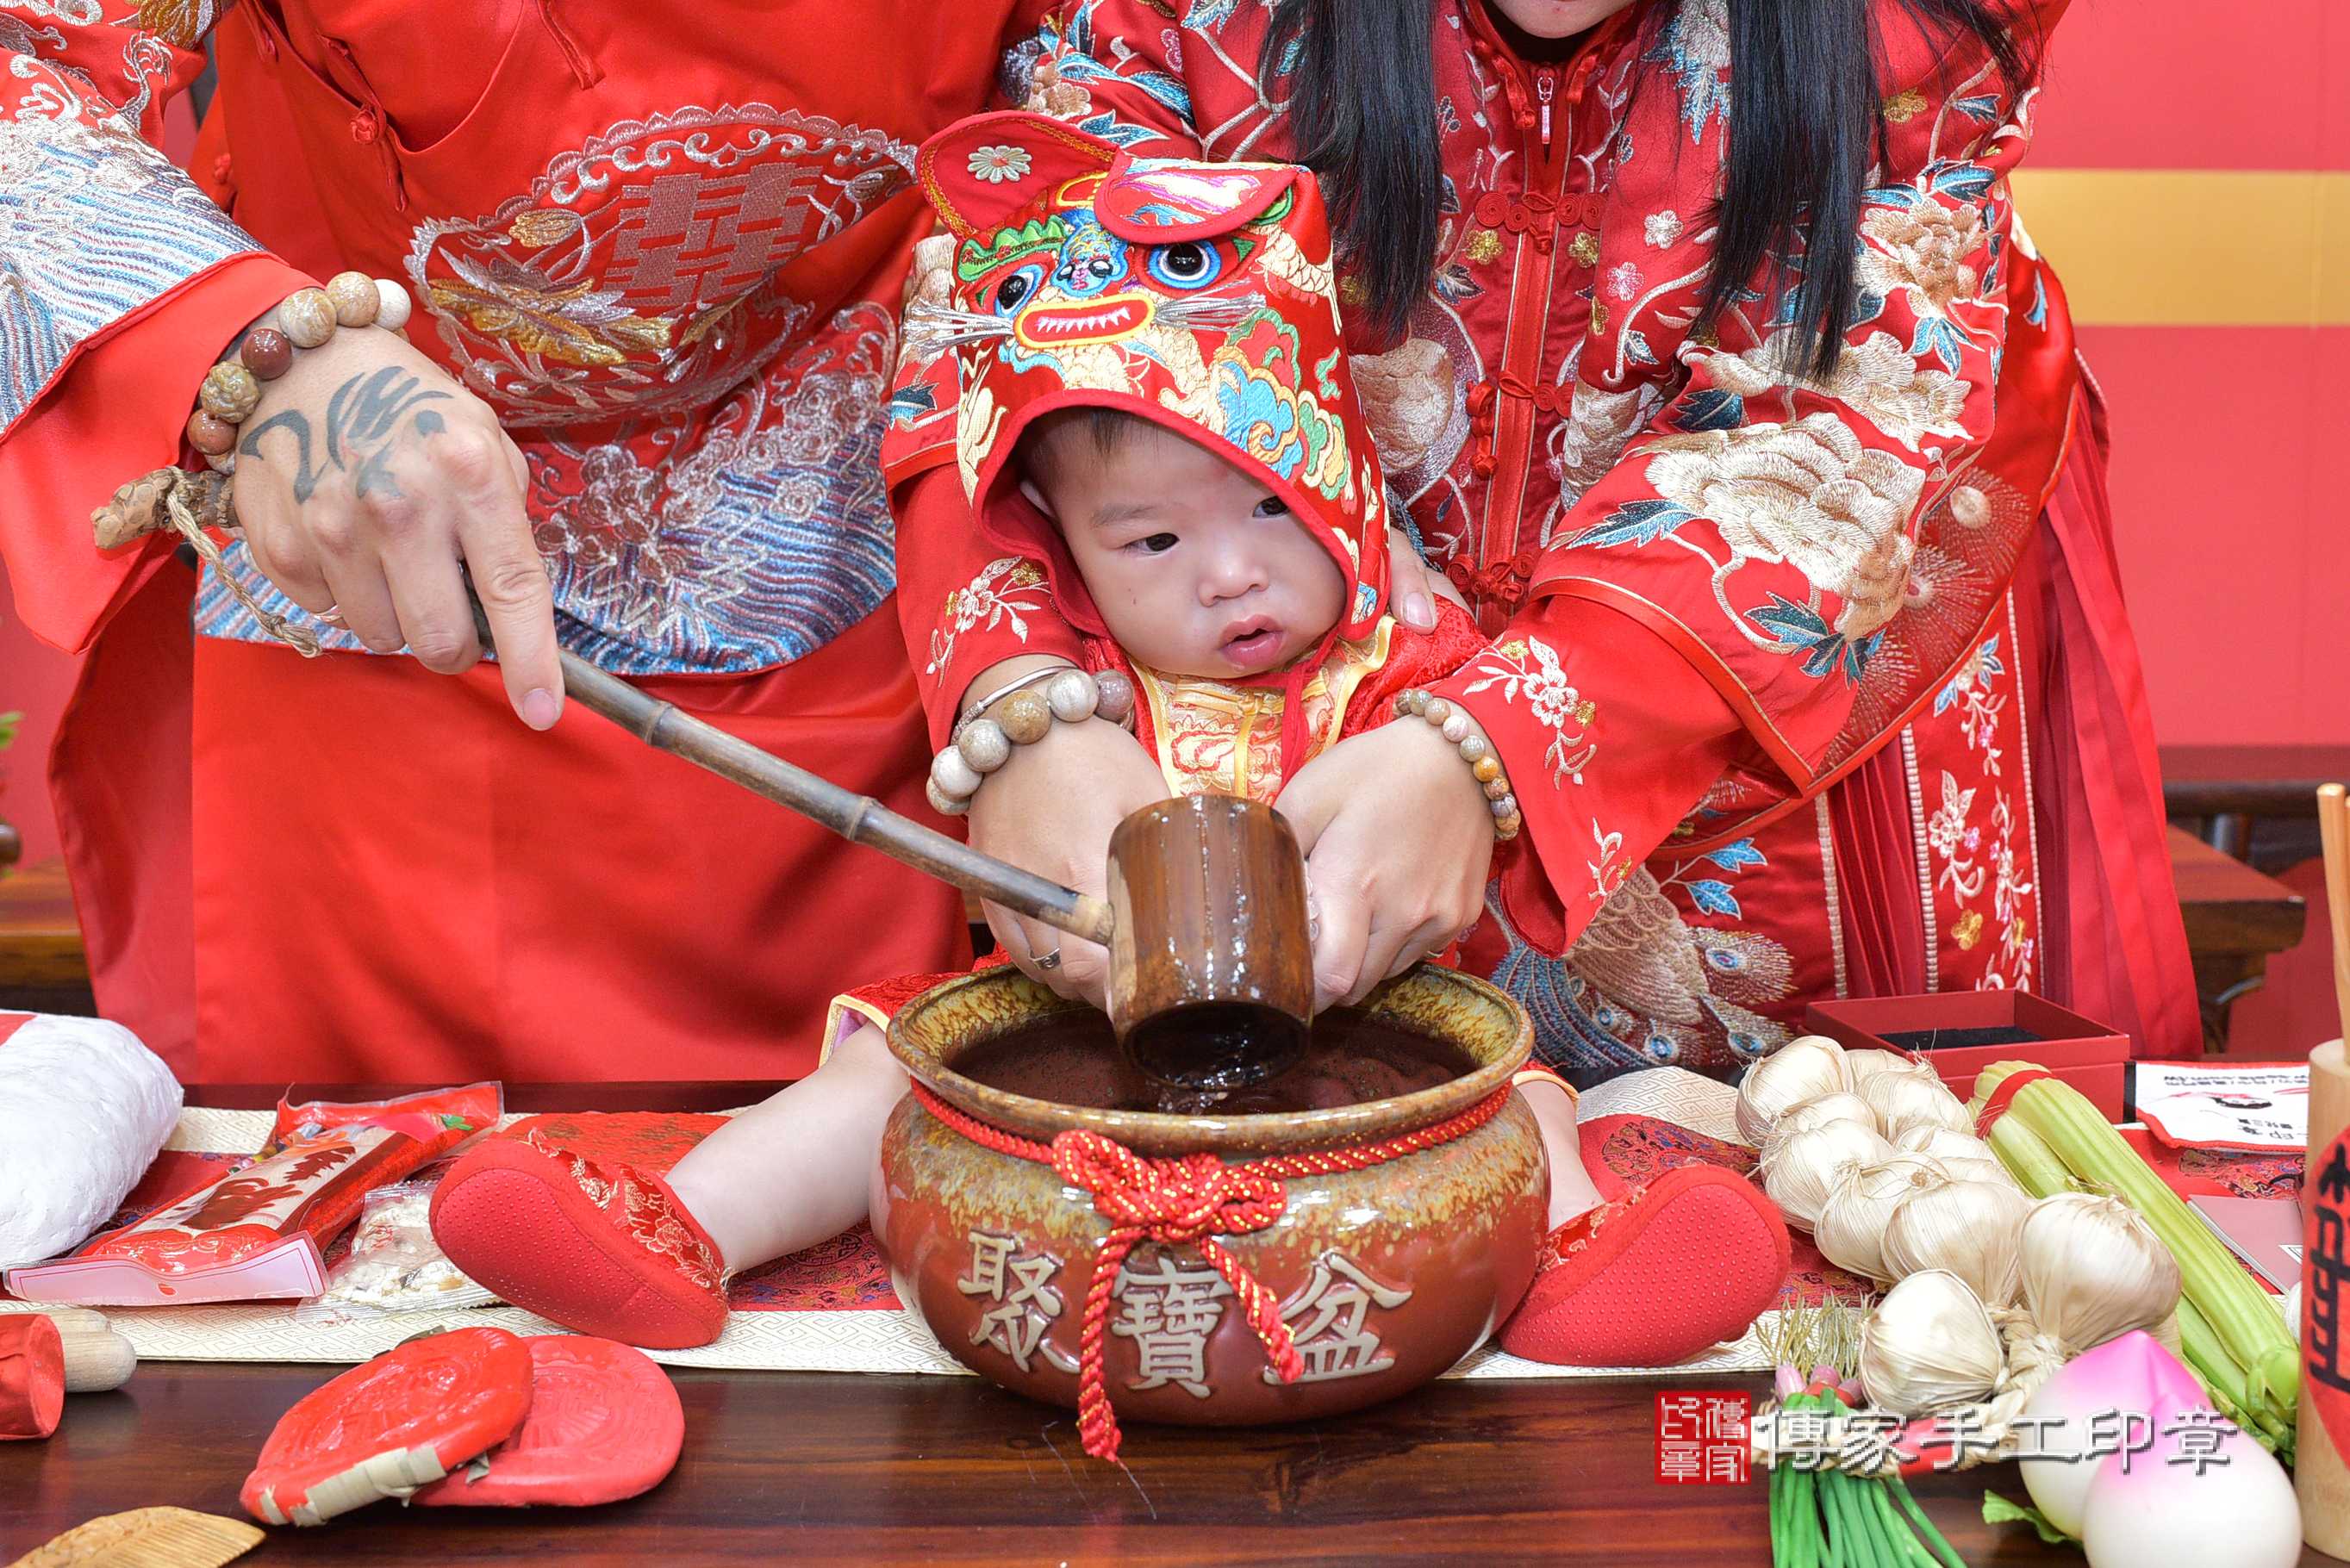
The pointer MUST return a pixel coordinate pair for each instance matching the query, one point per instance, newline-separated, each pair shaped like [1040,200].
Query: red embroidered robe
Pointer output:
[668,244]
[1810,687]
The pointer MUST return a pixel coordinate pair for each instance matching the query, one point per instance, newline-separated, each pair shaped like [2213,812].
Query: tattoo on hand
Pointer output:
[369,418]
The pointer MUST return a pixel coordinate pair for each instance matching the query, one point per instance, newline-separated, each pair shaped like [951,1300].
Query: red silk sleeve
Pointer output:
[118,410]
[963,603]
[1609,739]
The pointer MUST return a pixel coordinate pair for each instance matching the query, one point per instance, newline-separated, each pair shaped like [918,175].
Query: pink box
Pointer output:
[2080,1051]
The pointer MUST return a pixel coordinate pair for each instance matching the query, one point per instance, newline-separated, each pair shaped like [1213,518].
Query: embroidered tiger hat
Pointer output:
[1197,295]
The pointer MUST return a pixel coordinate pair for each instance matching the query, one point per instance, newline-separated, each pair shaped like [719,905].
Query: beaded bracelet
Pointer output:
[232,388]
[1021,717]
[1019,684]
[1452,724]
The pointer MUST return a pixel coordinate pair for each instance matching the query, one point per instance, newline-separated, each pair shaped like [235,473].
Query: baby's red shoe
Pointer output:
[605,1249]
[1654,1277]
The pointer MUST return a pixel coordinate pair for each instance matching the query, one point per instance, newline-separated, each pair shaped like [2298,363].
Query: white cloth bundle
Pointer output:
[83,1109]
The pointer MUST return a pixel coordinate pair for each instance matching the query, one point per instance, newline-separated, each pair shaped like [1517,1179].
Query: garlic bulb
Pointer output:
[1841,1106]
[1802,1169]
[1970,1228]
[2093,1270]
[1928,1346]
[1804,1068]
[1850,1231]
[1862,1065]
[1962,1156]
[1940,1142]
[1905,1100]
[1989,1170]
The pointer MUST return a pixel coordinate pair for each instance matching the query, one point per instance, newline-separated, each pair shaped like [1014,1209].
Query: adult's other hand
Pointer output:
[1051,809]
[1413,585]
[1398,842]
[365,478]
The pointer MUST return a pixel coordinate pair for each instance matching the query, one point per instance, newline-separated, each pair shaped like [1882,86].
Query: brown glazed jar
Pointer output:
[1387,1275]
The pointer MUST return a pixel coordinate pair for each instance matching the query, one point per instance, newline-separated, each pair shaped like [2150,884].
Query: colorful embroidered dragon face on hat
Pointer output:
[1197,295]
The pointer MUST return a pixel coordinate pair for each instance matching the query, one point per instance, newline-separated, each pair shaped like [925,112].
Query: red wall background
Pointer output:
[2214,294]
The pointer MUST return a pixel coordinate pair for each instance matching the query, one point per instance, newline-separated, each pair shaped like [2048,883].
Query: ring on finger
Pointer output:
[1050,961]
[332,615]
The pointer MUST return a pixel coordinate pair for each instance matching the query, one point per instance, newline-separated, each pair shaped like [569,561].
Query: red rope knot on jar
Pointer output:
[1186,1201]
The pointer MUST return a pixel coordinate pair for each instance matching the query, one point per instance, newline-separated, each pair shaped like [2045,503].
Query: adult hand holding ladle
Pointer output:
[1206,910]
[1210,971]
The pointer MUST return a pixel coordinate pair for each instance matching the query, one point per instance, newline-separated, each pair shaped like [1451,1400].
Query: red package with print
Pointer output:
[261,1231]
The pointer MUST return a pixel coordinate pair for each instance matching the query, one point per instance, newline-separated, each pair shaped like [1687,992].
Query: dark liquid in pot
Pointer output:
[1217,1045]
[1073,1059]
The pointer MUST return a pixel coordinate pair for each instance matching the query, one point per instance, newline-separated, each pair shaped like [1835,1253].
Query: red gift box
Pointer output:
[2080,1051]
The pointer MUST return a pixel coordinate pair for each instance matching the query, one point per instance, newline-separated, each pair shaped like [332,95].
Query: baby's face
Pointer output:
[1196,568]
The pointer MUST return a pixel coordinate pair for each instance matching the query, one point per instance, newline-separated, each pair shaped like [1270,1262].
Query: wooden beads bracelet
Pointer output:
[232,388]
[1452,722]
[1017,714]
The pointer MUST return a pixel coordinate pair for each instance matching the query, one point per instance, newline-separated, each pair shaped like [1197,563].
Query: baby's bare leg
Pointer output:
[1571,1191]
[794,1170]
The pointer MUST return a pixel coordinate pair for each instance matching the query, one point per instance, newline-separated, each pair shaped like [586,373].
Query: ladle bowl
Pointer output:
[1385,1276]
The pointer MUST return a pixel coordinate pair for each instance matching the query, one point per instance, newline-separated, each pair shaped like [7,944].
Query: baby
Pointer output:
[1155,421]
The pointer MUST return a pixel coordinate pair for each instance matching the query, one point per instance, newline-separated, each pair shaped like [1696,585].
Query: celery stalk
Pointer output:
[2235,1310]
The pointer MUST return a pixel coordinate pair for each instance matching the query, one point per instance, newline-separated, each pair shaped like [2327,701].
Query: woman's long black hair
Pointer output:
[1805,121]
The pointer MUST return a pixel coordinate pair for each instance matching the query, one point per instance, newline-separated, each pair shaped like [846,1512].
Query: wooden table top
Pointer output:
[2229,907]
[40,940]
[846,1467]
[2260,781]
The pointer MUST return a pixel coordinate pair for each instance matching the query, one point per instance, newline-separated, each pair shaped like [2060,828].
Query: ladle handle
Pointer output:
[859,818]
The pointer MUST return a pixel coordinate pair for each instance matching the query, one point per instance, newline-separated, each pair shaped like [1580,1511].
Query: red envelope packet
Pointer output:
[261,1231]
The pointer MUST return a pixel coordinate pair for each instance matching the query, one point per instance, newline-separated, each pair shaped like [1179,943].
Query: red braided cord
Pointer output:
[1188,1200]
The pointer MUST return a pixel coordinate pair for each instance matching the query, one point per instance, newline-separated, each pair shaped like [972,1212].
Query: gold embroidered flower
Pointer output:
[1483,244]
[1969,931]
[1905,106]
[543,226]
[578,324]
[1585,247]
[1922,251]
[1048,94]
[1407,397]
[1878,378]
[1807,494]
[977,418]
[179,23]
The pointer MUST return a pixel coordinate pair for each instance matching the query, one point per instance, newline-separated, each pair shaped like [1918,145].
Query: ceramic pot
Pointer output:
[1385,1276]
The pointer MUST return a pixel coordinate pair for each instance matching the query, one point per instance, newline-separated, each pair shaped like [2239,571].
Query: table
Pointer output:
[2236,919]
[42,966]
[811,1468]
[2234,790]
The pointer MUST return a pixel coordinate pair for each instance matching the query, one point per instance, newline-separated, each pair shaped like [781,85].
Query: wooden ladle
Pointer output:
[1210,973]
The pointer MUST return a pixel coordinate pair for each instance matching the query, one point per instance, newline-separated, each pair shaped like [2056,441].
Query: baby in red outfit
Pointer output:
[1157,425]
